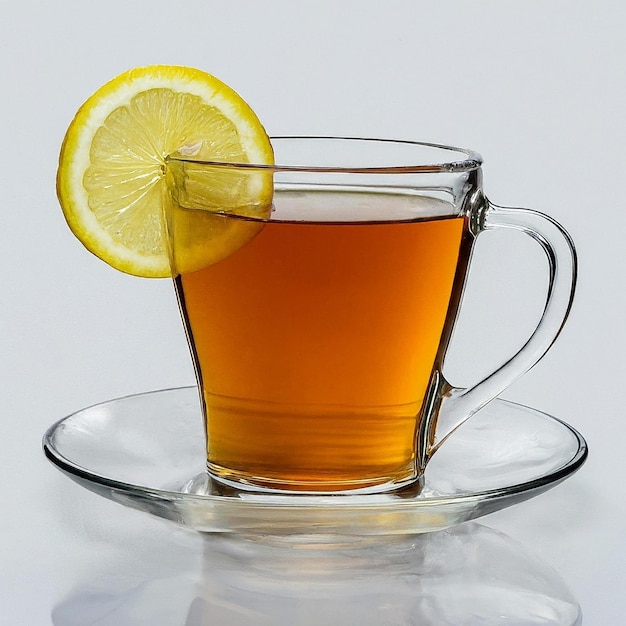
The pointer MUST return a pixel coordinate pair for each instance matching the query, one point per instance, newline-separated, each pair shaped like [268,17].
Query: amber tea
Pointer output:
[316,340]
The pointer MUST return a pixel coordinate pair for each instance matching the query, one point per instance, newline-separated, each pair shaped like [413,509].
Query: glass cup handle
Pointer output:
[456,405]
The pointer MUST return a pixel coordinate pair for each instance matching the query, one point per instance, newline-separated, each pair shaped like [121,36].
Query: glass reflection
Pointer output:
[469,574]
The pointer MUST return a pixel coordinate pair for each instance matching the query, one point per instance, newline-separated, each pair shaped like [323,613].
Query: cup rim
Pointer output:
[469,161]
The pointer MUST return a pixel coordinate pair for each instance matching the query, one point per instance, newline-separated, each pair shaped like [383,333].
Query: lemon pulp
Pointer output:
[112,169]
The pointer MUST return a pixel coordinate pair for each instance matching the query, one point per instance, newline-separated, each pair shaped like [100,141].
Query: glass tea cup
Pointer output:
[319,313]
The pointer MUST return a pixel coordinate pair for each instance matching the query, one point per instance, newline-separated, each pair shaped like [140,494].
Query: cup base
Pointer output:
[231,481]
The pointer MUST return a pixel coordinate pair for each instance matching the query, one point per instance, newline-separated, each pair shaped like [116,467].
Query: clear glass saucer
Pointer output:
[146,451]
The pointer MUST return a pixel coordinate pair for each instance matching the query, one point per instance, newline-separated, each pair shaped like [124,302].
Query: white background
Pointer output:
[536,87]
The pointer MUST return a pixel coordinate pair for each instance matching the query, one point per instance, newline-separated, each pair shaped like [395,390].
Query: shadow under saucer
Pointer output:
[467,574]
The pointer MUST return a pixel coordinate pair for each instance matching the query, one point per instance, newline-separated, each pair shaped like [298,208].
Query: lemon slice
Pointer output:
[113,174]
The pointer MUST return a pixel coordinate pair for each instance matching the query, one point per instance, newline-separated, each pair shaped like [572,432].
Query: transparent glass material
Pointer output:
[314,399]
[147,452]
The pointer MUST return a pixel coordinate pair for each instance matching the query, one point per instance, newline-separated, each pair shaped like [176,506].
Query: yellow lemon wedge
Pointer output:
[125,158]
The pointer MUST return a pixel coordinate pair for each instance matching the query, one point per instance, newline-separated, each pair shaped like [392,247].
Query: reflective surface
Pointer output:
[147,451]
[470,574]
